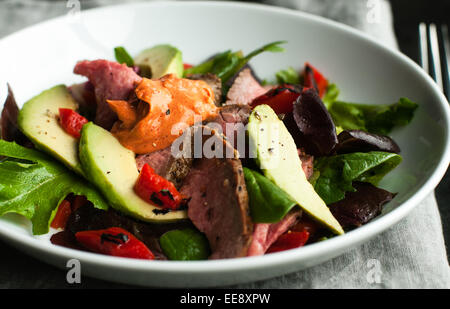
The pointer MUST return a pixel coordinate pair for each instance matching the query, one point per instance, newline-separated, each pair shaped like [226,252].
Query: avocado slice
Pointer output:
[278,158]
[39,121]
[112,168]
[160,60]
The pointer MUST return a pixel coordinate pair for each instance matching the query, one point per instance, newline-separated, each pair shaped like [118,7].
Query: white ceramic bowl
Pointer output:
[44,55]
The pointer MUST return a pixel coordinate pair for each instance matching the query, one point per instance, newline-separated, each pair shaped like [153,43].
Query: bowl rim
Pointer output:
[342,242]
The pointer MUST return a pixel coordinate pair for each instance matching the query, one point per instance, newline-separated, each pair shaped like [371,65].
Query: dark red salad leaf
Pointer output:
[311,125]
[65,209]
[66,239]
[84,94]
[361,141]
[358,208]
[306,224]
[10,130]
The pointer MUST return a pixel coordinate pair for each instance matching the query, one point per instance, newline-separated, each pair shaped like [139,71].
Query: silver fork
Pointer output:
[435,53]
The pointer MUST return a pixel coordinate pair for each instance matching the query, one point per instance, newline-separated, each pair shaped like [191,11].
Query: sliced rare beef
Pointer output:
[88,218]
[311,125]
[232,79]
[218,198]
[9,129]
[232,114]
[112,81]
[165,165]
[358,208]
[265,234]
[214,82]
[245,88]
[361,141]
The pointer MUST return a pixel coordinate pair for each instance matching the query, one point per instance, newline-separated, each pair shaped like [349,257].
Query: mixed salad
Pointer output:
[154,158]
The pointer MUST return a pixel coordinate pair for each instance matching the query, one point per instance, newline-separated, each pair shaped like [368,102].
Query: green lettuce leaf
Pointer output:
[268,203]
[378,119]
[336,173]
[221,65]
[225,65]
[288,76]
[122,56]
[185,245]
[331,95]
[33,185]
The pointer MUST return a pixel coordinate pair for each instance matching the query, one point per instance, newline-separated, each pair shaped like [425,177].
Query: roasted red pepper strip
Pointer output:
[67,206]
[114,241]
[187,66]
[71,121]
[313,78]
[290,240]
[281,99]
[157,190]
[61,216]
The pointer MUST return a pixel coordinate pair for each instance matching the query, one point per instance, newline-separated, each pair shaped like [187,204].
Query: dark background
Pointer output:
[407,16]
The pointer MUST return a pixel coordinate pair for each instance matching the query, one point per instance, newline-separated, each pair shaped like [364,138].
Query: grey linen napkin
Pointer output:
[409,255]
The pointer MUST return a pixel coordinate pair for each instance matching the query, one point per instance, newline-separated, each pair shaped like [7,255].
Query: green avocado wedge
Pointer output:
[278,158]
[39,121]
[112,168]
[160,60]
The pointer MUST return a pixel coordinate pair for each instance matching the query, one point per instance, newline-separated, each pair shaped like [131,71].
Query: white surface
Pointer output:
[364,70]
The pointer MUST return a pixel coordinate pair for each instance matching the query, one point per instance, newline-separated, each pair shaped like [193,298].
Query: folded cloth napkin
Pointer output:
[409,255]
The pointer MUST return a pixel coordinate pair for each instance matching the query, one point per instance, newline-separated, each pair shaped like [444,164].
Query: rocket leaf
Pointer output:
[225,65]
[33,184]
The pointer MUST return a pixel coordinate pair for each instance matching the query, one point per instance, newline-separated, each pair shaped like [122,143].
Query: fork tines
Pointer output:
[435,53]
